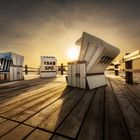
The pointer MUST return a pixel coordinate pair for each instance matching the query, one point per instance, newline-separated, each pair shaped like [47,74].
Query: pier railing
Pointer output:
[61,69]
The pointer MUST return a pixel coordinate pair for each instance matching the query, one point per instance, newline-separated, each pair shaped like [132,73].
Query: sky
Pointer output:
[34,28]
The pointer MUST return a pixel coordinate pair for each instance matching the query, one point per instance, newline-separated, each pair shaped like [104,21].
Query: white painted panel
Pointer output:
[93,50]
[96,81]
[73,75]
[83,83]
[83,70]
[69,74]
[16,73]
[17,59]
[94,59]
[48,66]
[90,52]
[47,74]
[82,76]
[77,75]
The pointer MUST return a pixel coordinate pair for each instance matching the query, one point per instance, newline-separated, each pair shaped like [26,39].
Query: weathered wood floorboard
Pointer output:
[93,125]
[18,133]
[134,89]
[7,126]
[2,120]
[30,94]
[57,137]
[53,121]
[6,101]
[41,116]
[38,107]
[68,127]
[10,111]
[44,109]
[130,115]
[9,95]
[131,97]
[115,128]
[39,135]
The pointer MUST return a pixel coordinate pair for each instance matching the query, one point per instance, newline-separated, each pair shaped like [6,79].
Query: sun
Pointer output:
[73,53]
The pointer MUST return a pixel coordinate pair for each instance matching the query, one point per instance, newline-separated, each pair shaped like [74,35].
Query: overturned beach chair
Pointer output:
[95,55]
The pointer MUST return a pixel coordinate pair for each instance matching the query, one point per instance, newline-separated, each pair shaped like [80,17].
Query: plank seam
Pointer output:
[125,124]
[128,99]
[94,93]
[69,113]
[35,95]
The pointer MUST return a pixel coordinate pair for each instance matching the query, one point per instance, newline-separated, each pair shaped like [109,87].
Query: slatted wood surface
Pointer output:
[41,109]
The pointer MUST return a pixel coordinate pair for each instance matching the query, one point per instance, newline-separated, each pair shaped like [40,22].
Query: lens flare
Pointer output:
[73,53]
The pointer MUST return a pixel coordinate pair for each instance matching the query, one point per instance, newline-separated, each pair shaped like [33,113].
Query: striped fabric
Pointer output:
[5,65]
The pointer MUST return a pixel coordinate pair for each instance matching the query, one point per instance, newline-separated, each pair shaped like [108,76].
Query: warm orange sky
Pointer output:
[50,27]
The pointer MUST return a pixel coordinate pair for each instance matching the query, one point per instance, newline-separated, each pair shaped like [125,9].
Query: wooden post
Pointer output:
[128,72]
[62,69]
[38,70]
[116,69]
[26,69]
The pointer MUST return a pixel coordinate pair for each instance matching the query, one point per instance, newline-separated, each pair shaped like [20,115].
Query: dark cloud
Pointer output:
[23,23]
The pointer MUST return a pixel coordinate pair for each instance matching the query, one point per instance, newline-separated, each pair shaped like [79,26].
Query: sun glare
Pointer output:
[73,53]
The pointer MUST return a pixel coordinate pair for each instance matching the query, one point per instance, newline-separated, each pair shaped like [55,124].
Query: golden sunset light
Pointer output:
[69,69]
[73,53]
[47,27]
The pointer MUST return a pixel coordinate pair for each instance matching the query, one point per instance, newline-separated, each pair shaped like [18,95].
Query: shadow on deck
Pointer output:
[54,111]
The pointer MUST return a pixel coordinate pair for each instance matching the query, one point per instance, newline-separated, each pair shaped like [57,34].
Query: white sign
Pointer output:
[48,66]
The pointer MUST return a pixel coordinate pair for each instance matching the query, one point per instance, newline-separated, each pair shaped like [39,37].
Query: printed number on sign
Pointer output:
[49,68]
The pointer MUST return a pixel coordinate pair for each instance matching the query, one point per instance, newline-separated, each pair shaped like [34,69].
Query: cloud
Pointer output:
[30,26]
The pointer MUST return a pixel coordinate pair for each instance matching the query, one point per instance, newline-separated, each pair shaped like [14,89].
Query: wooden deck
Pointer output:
[41,109]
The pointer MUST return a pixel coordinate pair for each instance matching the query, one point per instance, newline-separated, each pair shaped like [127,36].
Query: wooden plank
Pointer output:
[7,126]
[26,84]
[38,107]
[7,95]
[132,118]
[29,83]
[2,120]
[13,110]
[57,137]
[39,135]
[131,97]
[72,123]
[17,101]
[18,133]
[48,111]
[53,121]
[26,95]
[134,89]
[115,128]
[93,125]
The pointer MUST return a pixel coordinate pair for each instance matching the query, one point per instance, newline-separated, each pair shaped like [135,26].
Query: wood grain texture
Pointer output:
[130,115]
[39,135]
[115,128]
[57,137]
[93,125]
[52,122]
[47,109]
[7,126]
[72,123]
[18,133]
